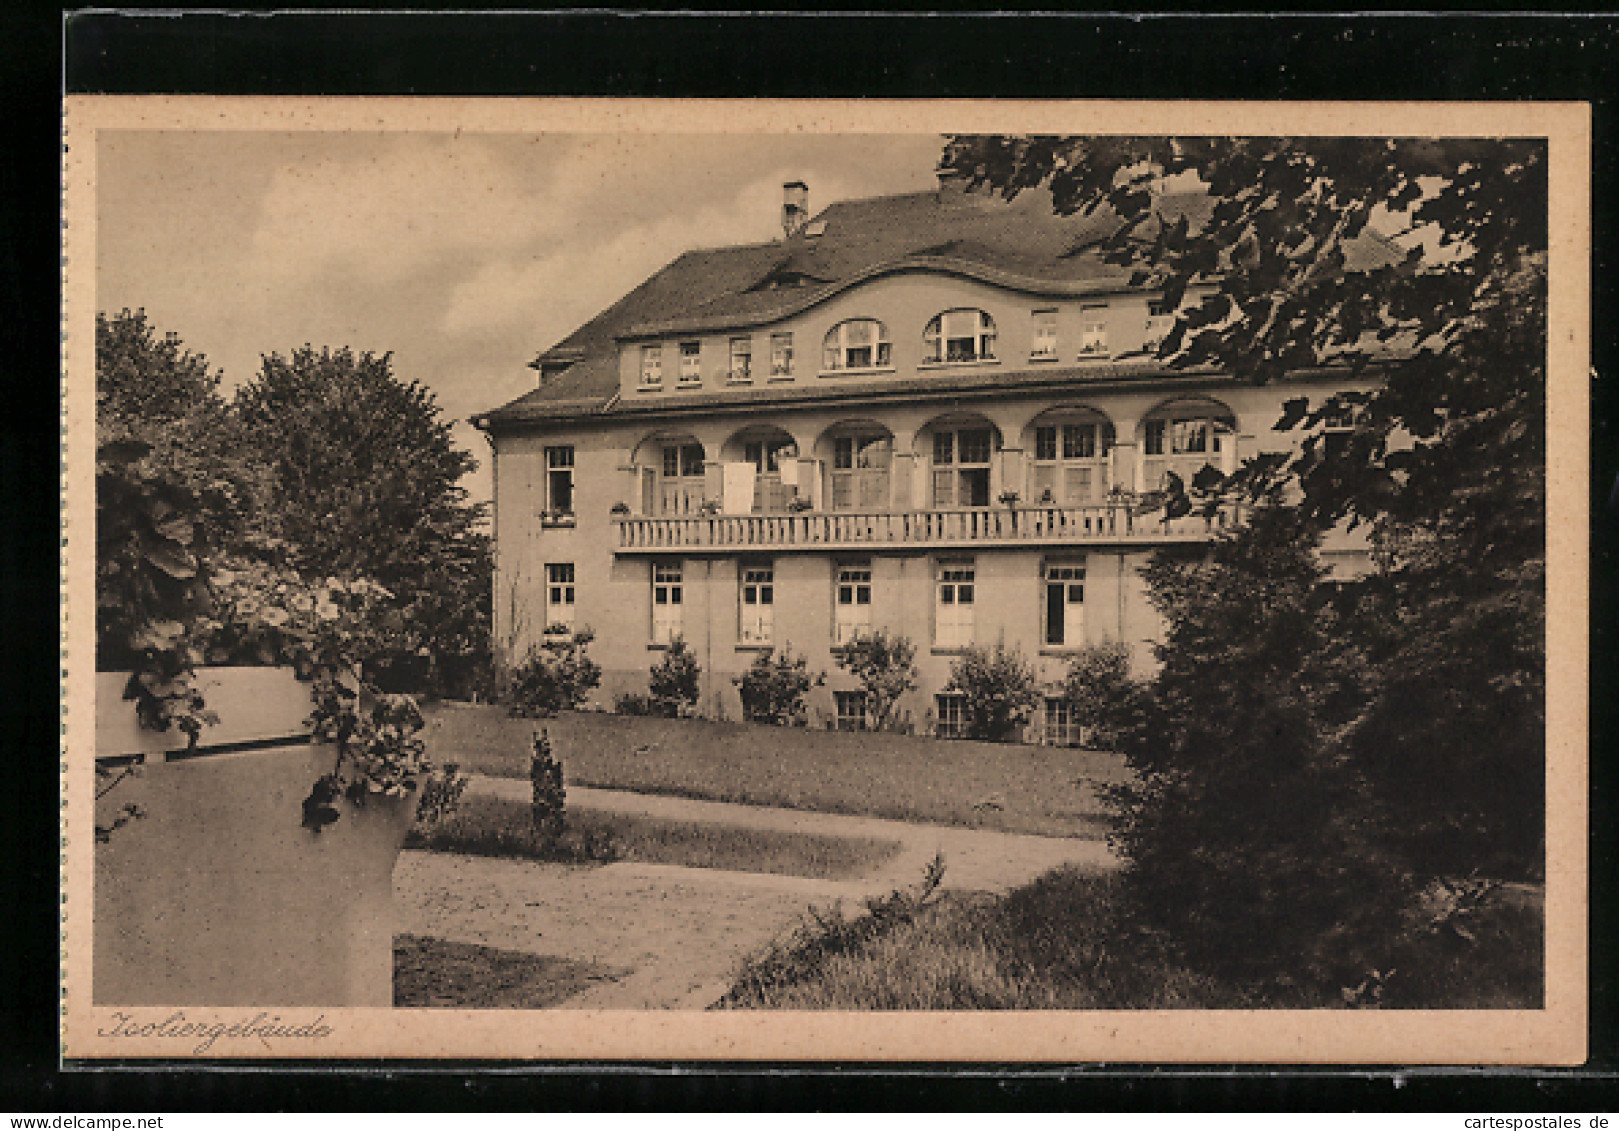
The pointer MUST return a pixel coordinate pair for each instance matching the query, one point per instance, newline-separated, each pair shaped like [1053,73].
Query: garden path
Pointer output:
[682,931]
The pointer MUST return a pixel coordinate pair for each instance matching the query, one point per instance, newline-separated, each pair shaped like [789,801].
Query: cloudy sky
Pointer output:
[463,255]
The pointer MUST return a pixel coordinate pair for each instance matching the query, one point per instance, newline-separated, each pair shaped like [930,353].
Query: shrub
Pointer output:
[555,676]
[675,681]
[634,703]
[885,666]
[773,689]
[548,797]
[999,690]
[1248,840]
[1099,689]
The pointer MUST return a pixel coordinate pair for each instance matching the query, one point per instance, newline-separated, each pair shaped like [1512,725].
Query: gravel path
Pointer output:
[682,931]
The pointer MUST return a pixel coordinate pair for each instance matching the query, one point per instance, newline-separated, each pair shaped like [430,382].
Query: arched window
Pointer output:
[1185,436]
[1070,459]
[959,336]
[859,343]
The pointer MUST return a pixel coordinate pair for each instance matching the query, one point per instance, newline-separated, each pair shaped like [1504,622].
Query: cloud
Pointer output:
[390,208]
[556,291]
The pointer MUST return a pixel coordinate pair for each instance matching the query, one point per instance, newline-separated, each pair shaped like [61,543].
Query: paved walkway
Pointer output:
[682,931]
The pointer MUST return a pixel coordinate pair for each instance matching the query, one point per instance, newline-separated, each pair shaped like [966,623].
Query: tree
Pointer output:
[171,488]
[1450,736]
[1246,834]
[998,689]
[885,665]
[367,484]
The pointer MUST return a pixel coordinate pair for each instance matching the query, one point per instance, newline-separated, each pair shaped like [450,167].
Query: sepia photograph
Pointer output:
[626,579]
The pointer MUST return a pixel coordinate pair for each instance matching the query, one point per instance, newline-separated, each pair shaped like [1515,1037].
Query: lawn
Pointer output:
[452,975]
[1063,942]
[492,826]
[1026,789]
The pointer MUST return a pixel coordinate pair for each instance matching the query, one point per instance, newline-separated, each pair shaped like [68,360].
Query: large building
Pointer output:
[935,413]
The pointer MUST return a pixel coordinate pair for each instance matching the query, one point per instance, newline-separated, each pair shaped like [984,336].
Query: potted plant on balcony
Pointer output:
[798,504]
[620,510]
[1009,498]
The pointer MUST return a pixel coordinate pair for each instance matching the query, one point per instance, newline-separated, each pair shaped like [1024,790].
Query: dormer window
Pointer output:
[1093,331]
[652,365]
[959,336]
[860,343]
[691,363]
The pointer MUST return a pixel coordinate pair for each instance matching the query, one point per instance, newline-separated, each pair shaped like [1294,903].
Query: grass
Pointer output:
[1063,943]
[491,826]
[1013,788]
[451,975]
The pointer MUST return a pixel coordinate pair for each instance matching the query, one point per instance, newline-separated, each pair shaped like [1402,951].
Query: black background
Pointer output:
[908,55]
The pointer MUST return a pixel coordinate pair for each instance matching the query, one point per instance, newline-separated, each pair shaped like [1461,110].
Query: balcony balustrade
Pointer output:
[842,530]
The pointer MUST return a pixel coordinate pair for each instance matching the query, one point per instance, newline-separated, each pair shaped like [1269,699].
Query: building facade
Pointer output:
[936,414]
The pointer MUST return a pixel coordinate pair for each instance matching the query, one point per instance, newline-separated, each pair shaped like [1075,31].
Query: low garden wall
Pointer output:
[218,895]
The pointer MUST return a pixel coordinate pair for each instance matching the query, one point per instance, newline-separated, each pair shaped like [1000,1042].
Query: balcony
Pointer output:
[1107,523]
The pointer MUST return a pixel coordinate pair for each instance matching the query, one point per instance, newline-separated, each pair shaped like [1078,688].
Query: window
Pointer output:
[766,455]
[851,602]
[651,365]
[851,706]
[757,621]
[1070,463]
[666,602]
[860,343]
[1044,346]
[1153,439]
[953,605]
[961,467]
[860,469]
[781,355]
[959,336]
[741,360]
[1184,439]
[691,363]
[559,595]
[1065,604]
[1093,331]
[952,710]
[1060,727]
[1160,318]
[559,480]
[771,491]
[681,483]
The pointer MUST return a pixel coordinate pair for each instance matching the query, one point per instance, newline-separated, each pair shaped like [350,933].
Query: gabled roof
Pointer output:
[1020,244]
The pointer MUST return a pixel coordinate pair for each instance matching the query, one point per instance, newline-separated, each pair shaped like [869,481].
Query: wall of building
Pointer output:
[905,303]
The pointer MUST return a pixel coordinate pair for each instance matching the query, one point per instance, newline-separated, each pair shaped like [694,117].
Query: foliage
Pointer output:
[1315,752]
[885,665]
[773,688]
[1070,941]
[1098,679]
[548,796]
[191,570]
[367,482]
[1450,317]
[1246,836]
[999,689]
[675,681]
[557,675]
[826,934]
[634,703]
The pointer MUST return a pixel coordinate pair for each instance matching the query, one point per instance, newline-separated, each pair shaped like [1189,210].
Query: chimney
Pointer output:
[794,207]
